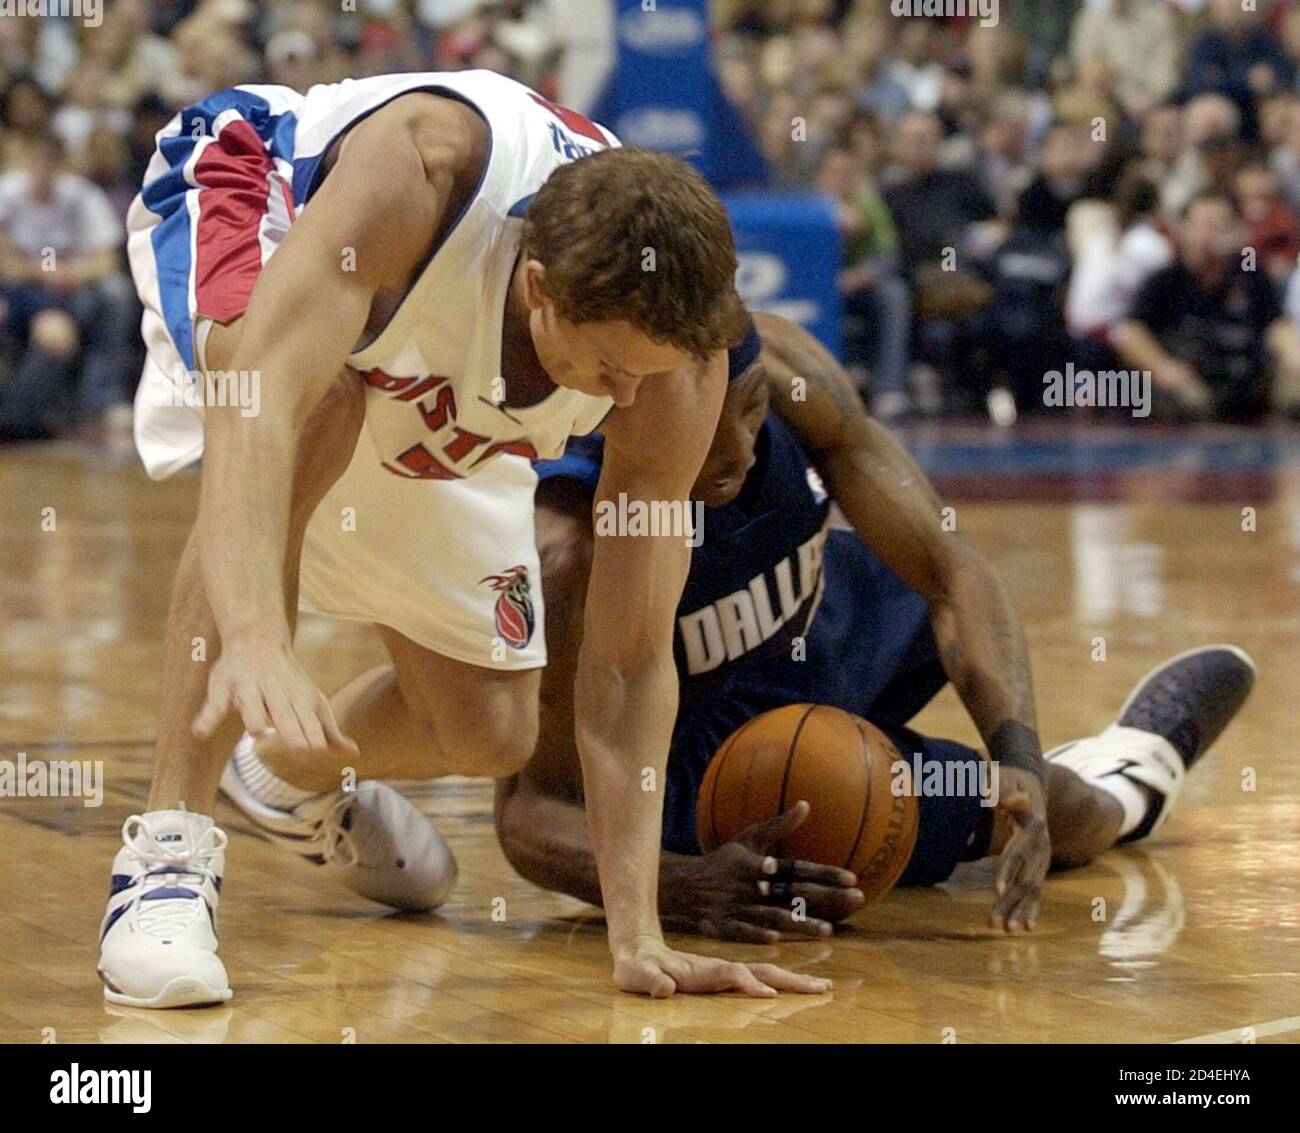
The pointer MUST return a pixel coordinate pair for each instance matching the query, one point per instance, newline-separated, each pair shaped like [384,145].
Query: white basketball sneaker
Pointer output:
[158,940]
[372,839]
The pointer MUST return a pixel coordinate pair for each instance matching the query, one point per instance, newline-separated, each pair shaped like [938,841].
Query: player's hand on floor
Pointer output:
[1027,854]
[741,891]
[263,682]
[652,968]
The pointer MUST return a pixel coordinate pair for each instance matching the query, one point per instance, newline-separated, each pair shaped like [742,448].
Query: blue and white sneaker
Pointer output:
[158,939]
[1166,725]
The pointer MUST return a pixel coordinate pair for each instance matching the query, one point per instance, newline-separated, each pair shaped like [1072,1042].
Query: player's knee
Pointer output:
[55,332]
[496,738]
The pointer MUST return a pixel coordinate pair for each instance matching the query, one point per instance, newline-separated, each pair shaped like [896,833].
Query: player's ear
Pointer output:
[534,277]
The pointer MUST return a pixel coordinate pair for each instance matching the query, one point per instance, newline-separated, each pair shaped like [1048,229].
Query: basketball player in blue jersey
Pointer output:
[882,615]
[427,281]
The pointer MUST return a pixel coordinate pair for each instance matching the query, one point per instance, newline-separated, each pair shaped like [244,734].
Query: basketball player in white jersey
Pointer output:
[427,281]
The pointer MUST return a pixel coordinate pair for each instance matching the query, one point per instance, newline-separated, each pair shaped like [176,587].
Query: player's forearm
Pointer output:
[545,839]
[983,650]
[243,520]
[624,720]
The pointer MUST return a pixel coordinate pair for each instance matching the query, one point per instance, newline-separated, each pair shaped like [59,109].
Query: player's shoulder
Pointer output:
[423,132]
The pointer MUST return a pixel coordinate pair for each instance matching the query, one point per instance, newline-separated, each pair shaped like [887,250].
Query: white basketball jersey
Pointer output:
[434,387]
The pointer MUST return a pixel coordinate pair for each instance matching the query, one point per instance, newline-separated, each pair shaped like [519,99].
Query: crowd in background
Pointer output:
[1084,185]
[1108,185]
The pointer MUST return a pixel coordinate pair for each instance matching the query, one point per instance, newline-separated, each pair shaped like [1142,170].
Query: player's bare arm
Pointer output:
[625,691]
[539,812]
[304,317]
[894,509]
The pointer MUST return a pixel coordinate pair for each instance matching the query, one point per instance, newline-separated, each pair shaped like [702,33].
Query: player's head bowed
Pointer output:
[631,269]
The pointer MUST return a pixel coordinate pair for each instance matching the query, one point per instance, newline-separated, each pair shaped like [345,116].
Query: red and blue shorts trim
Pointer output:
[220,193]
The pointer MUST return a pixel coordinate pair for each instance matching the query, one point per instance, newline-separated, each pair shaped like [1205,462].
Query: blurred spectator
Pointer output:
[1238,56]
[1002,161]
[877,302]
[86,108]
[1138,41]
[44,49]
[933,210]
[1123,250]
[1160,146]
[25,114]
[1272,227]
[137,59]
[292,59]
[866,42]
[1208,330]
[1045,25]
[1211,130]
[1067,153]
[930,206]
[65,298]
[917,69]
[107,165]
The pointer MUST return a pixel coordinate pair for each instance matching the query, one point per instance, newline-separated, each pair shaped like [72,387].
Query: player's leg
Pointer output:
[1122,784]
[158,944]
[422,717]
[448,567]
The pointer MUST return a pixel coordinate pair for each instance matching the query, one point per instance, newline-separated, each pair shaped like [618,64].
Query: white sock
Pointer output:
[263,783]
[1133,800]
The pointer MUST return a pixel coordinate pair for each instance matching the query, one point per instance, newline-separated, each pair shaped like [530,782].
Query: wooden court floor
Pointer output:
[1195,936]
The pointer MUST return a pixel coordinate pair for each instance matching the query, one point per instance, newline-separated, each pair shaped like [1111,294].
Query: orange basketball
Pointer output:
[841,765]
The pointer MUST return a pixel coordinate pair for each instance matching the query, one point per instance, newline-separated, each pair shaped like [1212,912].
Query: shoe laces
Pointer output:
[187,864]
[337,846]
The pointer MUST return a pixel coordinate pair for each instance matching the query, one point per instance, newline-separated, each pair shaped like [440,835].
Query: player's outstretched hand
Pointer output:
[652,968]
[740,891]
[1027,854]
[263,682]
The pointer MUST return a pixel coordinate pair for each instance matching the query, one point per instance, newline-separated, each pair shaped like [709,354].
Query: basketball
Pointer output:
[841,765]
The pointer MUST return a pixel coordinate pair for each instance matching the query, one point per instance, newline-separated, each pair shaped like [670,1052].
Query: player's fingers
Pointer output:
[247,701]
[644,979]
[822,874]
[284,719]
[334,735]
[829,901]
[784,920]
[1009,866]
[213,711]
[732,928]
[784,980]
[763,835]
[312,730]
[739,977]
[1006,904]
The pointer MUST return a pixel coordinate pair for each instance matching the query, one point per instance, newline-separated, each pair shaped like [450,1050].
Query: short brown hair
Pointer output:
[596,222]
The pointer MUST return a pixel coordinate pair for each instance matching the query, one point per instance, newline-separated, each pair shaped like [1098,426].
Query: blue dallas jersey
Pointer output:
[756,578]
[769,570]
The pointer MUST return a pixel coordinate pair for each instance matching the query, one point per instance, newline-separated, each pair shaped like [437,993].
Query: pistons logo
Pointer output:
[514,609]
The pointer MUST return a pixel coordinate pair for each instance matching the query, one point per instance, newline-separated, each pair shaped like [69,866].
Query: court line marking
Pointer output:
[1262,1030]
